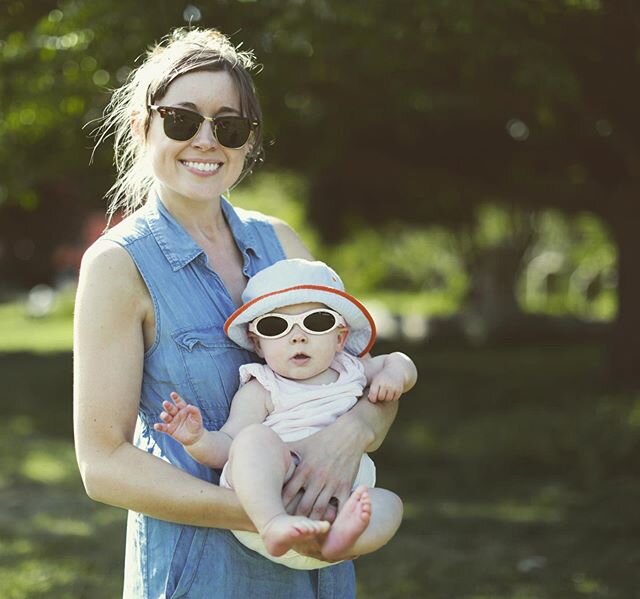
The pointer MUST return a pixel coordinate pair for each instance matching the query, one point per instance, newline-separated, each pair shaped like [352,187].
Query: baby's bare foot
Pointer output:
[350,523]
[282,531]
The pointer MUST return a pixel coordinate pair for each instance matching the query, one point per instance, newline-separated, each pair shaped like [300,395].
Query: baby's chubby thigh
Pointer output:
[258,454]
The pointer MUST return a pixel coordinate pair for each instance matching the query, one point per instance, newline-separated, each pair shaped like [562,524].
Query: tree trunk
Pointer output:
[492,295]
[624,348]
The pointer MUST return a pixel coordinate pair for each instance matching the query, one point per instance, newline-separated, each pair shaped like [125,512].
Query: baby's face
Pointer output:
[300,355]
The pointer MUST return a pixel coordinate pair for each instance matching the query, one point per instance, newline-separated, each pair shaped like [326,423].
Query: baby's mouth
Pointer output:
[300,356]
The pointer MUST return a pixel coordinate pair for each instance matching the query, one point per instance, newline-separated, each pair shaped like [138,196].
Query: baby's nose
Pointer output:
[298,335]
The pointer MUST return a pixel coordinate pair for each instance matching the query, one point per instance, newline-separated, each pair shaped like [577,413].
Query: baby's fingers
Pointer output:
[166,417]
[178,401]
[393,393]
[382,391]
[169,408]
[386,394]
[374,393]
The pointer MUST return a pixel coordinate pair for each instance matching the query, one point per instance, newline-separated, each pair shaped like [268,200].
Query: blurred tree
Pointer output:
[420,111]
[408,111]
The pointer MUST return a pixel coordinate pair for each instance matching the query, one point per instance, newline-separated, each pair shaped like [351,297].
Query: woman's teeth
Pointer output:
[204,167]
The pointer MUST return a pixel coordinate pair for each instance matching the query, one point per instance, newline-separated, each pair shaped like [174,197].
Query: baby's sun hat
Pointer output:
[297,281]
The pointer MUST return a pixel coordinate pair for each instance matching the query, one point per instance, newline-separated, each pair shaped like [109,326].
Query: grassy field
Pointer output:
[21,331]
[518,471]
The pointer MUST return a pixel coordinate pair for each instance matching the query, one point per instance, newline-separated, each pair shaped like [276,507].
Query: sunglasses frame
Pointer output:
[296,319]
[164,111]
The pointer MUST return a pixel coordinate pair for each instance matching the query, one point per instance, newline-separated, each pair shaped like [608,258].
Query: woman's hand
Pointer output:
[329,463]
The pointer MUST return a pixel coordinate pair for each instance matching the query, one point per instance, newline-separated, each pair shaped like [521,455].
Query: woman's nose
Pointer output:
[204,137]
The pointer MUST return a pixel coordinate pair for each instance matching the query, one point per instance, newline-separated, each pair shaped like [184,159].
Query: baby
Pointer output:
[298,318]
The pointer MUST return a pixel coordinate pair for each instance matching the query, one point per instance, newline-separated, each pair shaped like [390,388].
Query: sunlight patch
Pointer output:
[17,547]
[62,526]
[45,467]
[502,511]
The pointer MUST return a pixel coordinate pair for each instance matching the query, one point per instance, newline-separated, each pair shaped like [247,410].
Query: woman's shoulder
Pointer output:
[290,241]
[291,244]
[131,228]
[257,218]
[105,258]
[108,276]
[104,251]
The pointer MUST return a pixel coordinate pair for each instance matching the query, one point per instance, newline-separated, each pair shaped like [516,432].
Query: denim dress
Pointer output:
[192,356]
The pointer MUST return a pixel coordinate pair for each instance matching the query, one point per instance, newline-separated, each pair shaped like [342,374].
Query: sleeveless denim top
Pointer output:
[192,356]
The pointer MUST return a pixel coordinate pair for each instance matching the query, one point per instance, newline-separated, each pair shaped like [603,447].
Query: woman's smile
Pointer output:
[201,167]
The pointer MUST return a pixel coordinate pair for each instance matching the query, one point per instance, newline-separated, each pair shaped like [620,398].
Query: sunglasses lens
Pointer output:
[232,131]
[181,125]
[319,322]
[271,326]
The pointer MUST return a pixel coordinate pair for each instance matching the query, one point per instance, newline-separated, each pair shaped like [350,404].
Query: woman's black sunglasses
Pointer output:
[181,124]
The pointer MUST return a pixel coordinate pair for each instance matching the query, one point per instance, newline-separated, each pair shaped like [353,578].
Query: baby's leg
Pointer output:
[366,522]
[259,463]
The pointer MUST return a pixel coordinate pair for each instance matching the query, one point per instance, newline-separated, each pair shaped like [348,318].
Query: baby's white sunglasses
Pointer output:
[315,322]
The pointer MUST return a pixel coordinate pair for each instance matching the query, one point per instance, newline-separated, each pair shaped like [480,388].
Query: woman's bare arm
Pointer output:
[108,359]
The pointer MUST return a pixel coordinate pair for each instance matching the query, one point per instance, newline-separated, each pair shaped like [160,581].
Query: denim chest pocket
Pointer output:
[211,361]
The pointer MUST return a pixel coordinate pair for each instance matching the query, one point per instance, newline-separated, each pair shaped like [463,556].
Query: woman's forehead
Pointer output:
[203,89]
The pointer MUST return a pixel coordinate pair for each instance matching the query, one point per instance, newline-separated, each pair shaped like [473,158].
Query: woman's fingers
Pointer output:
[292,490]
[316,493]
[309,500]
[321,504]
[341,495]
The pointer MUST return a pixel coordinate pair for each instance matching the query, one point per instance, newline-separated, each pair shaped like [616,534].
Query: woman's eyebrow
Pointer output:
[228,109]
[192,106]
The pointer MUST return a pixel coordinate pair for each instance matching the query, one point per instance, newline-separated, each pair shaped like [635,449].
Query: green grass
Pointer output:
[518,472]
[50,333]
[54,542]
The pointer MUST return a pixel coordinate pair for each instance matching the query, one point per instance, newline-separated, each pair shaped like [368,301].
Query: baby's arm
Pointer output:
[389,376]
[183,422]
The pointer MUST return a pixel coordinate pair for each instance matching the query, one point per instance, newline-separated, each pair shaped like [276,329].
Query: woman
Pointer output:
[153,295]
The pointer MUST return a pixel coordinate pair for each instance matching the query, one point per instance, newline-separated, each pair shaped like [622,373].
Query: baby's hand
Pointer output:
[181,420]
[386,386]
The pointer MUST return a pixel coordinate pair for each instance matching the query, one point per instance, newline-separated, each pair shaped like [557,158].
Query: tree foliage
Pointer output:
[394,111]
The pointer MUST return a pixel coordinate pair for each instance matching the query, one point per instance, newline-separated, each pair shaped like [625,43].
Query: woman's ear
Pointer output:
[139,126]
